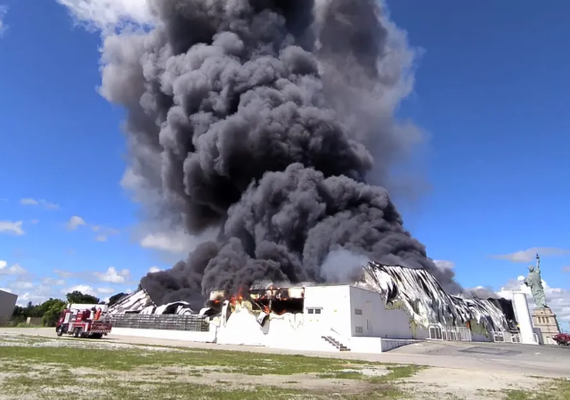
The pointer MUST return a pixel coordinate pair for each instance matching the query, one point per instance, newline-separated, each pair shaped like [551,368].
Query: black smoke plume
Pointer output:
[260,118]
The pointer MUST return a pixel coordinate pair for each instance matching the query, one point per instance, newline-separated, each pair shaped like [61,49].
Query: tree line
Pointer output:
[50,310]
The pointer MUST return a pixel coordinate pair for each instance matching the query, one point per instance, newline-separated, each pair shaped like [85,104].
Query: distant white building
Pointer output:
[7,304]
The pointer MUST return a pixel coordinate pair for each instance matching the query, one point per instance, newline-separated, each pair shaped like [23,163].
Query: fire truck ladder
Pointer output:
[335,343]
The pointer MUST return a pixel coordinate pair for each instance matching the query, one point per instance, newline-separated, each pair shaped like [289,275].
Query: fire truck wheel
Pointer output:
[59,330]
[97,336]
[77,332]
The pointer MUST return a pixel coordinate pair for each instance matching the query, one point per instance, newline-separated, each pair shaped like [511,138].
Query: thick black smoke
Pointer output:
[258,117]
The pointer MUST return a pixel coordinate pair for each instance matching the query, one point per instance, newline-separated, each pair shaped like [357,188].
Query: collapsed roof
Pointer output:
[428,303]
[141,303]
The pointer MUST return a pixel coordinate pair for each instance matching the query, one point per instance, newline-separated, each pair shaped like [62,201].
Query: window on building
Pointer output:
[314,310]
[357,311]
[358,329]
[317,310]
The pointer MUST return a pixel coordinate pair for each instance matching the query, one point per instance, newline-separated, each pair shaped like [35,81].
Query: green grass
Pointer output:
[151,373]
[169,373]
[130,359]
[558,389]
[395,372]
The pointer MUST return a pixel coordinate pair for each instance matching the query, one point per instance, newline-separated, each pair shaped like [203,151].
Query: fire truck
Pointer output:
[84,320]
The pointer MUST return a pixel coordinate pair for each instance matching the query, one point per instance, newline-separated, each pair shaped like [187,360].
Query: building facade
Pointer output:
[392,306]
[7,304]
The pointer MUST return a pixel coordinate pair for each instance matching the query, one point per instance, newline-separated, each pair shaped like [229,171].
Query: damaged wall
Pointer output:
[336,318]
[285,331]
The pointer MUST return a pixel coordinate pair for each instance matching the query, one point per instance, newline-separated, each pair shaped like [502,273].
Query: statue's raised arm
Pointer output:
[537,262]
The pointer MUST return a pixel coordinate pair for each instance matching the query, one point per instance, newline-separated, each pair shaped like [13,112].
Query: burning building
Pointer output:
[388,307]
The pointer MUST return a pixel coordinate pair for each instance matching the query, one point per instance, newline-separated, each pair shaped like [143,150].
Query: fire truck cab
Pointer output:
[84,320]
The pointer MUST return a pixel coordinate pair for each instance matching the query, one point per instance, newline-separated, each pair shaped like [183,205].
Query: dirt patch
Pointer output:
[231,379]
[466,384]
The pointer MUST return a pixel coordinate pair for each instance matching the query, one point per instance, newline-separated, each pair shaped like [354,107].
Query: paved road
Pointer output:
[548,361]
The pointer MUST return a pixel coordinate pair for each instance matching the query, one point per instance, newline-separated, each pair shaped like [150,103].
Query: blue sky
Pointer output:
[490,88]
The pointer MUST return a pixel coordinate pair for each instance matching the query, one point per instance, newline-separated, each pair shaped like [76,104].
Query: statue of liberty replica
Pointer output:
[542,316]
[534,282]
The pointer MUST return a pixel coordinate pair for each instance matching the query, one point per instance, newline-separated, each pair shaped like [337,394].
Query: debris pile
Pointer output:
[426,301]
[141,303]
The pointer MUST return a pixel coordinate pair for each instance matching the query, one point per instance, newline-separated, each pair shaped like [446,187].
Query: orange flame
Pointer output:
[236,298]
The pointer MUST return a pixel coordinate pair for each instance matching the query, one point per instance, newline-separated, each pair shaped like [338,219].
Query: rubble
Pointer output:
[427,302]
[141,303]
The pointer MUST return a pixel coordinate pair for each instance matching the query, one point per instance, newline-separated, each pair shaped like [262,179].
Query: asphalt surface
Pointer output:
[547,361]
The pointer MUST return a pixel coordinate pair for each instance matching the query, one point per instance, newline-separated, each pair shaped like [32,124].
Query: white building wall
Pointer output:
[288,331]
[334,303]
[522,313]
[371,318]
[7,304]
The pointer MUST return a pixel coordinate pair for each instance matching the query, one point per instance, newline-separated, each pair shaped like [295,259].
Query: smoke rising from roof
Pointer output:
[266,119]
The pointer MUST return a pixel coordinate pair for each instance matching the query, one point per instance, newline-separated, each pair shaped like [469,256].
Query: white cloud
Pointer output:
[103,232]
[177,241]
[85,289]
[14,270]
[35,297]
[36,294]
[558,299]
[53,282]
[529,255]
[22,285]
[28,201]
[153,270]
[75,222]
[63,274]
[40,292]
[164,242]
[112,275]
[109,15]
[106,231]
[105,290]
[3,12]
[444,264]
[12,227]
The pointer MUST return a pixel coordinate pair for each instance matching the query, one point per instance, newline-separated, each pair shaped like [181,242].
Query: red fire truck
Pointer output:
[84,320]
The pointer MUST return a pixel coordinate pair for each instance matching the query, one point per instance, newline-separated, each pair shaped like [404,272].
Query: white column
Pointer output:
[522,313]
